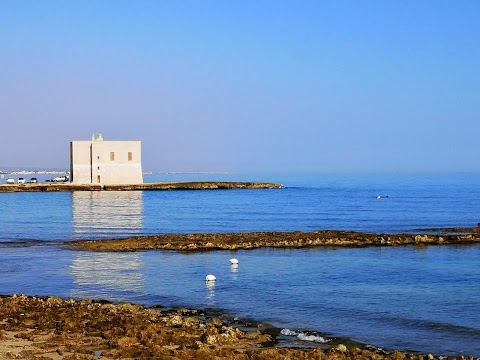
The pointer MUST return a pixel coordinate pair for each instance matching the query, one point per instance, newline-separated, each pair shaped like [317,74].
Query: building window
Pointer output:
[98,157]
[130,156]
[112,156]
[98,167]
[98,179]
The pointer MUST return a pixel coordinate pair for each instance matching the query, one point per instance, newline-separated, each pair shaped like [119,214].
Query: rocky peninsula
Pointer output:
[197,185]
[297,239]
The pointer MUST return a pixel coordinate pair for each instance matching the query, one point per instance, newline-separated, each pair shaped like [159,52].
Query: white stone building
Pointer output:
[105,162]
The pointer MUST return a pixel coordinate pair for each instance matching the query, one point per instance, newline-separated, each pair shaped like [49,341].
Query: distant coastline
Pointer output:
[29,171]
[32,172]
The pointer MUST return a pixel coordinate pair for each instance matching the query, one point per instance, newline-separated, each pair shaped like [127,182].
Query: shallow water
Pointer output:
[419,299]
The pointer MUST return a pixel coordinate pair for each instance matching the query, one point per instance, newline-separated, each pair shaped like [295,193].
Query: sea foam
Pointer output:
[304,336]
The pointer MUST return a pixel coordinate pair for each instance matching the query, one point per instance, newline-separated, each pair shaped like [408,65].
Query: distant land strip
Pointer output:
[201,185]
[255,240]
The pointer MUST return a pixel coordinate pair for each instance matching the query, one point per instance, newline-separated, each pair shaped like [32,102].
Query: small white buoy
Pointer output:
[379,197]
[233,261]
[210,278]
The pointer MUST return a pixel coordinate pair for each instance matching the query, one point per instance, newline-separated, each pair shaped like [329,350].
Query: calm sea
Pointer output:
[414,299]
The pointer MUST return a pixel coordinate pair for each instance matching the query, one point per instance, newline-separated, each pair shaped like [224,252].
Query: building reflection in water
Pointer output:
[101,214]
[113,276]
[107,214]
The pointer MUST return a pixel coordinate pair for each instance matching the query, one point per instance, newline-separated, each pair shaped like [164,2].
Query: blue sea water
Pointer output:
[415,299]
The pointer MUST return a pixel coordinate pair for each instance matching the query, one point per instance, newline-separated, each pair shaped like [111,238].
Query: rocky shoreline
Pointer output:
[205,185]
[52,328]
[255,240]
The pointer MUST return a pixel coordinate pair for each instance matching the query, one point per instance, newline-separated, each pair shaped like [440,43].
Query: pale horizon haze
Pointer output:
[244,86]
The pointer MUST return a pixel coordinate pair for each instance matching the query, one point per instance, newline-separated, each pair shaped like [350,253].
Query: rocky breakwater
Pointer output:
[205,185]
[52,328]
[209,242]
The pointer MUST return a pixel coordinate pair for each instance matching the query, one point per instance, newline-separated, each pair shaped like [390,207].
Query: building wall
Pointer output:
[106,162]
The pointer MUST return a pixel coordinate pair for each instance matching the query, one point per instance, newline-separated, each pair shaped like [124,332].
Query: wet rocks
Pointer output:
[118,331]
[52,328]
[209,242]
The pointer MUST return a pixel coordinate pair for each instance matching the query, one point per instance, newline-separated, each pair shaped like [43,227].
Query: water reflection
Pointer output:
[107,274]
[210,292]
[107,213]
[234,268]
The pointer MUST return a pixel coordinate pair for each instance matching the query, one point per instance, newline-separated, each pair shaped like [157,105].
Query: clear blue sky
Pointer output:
[306,86]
